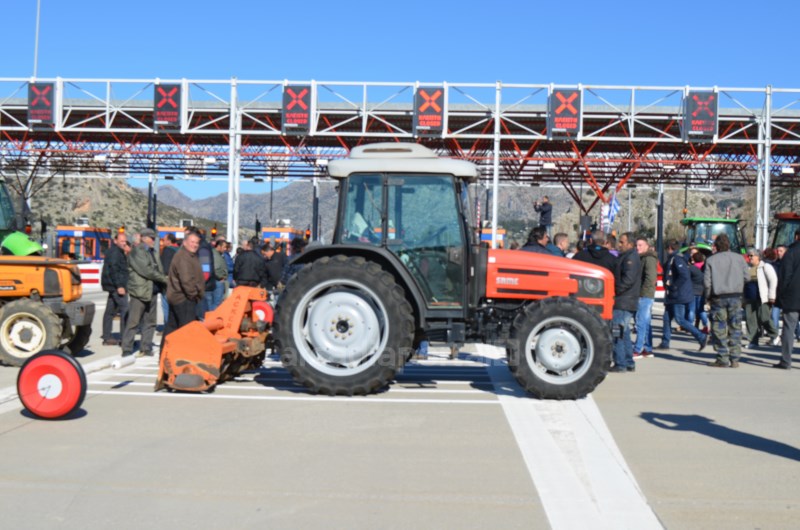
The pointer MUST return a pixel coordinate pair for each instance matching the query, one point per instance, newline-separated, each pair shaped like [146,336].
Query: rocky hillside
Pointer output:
[112,202]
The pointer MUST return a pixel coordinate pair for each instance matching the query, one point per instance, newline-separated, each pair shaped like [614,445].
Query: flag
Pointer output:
[613,209]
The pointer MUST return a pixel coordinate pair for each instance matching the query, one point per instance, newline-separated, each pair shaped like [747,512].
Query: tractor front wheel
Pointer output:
[26,328]
[559,349]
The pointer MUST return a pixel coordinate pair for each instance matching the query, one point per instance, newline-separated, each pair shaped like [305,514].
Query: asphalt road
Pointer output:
[451,444]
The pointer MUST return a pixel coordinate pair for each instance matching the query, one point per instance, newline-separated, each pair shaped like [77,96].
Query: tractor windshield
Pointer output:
[418,218]
[784,232]
[7,218]
[704,233]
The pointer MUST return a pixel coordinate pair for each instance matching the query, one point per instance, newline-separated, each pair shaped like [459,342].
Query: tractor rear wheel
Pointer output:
[343,326]
[26,328]
[559,349]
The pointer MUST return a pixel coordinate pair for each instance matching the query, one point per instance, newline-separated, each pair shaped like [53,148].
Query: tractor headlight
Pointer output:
[589,287]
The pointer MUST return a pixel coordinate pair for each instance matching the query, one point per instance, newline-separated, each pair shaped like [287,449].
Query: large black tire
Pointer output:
[559,349]
[343,326]
[26,328]
[79,340]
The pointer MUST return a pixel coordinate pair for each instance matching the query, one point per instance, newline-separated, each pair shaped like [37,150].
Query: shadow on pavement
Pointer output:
[707,427]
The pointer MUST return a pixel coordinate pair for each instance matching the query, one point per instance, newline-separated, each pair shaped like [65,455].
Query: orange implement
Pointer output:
[232,338]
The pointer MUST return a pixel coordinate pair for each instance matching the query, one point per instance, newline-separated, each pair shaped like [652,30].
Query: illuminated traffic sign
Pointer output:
[429,111]
[296,115]
[167,108]
[564,113]
[700,116]
[41,103]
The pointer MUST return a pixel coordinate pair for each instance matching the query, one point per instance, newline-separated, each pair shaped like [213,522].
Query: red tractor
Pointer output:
[406,264]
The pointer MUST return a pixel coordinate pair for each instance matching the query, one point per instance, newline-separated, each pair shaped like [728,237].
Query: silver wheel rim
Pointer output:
[22,335]
[340,327]
[559,350]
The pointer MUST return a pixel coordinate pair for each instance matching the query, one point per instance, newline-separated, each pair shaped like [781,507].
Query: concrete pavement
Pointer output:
[676,444]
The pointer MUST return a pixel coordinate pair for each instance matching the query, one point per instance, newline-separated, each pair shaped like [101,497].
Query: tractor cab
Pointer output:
[418,217]
[788,224]
[701,233]
[12,241]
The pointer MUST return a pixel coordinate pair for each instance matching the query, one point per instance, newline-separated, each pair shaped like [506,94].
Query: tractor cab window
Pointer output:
[7,219]
[705,234]
[361,220]
[426,233]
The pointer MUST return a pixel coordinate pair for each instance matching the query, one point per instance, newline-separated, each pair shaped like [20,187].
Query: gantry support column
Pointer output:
[234,157]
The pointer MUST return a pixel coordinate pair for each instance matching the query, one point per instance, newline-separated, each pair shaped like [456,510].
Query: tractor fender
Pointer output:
[388,261]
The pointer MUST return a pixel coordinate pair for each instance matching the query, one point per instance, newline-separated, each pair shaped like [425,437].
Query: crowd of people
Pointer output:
[192,276]
[762,287]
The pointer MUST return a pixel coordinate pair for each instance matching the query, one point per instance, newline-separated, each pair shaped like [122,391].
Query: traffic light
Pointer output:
[258,227]
[28,229]
[121,229]
[43,226]
[308,234]
[214,232]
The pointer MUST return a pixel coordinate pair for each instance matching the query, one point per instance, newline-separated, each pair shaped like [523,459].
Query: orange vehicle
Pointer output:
[406,263]
[40,308]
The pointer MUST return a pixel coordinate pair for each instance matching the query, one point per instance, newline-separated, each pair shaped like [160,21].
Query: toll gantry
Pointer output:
[605,137]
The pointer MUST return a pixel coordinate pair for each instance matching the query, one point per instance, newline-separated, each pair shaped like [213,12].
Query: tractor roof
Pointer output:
[406,158]
[690,220]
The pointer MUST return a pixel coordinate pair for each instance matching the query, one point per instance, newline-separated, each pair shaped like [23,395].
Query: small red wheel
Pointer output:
[51,384]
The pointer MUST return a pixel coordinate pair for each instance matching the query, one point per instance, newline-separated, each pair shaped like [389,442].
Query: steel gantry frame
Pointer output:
[231,130]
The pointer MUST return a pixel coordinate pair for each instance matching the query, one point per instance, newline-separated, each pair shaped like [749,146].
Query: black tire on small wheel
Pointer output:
[26,328]
[79,340]
[559,349]
[343,326]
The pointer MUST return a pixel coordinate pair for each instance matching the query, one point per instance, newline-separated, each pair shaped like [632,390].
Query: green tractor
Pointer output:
[12,241]
[701,232]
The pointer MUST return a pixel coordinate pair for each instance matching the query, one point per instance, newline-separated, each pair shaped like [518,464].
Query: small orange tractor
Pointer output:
[232,338]
[406,264]
[40,308]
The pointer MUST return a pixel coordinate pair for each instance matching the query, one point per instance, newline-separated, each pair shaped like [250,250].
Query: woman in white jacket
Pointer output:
[757,309]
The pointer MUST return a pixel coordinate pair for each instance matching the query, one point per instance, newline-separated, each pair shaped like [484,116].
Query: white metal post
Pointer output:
[767,168]
[760,183]
[234,145]
[496,172]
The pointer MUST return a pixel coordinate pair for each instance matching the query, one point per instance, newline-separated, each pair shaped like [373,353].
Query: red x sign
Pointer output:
[566,103]
[41,95]
[297,99]
[166,97]
[430,101]
[703,105]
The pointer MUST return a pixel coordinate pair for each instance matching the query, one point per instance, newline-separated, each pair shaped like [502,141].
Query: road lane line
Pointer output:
[577,469]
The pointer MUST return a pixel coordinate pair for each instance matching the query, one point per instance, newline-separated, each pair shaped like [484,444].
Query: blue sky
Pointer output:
[734,43]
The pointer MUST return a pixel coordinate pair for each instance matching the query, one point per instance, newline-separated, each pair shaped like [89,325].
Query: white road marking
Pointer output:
[580,474]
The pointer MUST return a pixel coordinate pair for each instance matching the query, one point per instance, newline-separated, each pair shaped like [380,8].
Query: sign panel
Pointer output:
[701,117]
[41,103]
[564,113]
[429,111]
[296,114]
[167,108]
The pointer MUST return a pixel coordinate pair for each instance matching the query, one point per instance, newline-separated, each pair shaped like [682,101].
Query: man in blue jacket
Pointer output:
[678,284]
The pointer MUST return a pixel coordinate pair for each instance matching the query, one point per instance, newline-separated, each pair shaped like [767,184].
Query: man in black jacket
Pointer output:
[627,284]
[114,281]
[596,252]
[537,241]
[249,268]
[788,299]
[545,210]
[275,263]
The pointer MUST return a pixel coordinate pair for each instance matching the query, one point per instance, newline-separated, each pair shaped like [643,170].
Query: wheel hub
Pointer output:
[24,335]
[343,328]
[557,350]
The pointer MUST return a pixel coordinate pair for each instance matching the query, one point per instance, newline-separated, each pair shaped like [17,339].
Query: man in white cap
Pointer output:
[144,269]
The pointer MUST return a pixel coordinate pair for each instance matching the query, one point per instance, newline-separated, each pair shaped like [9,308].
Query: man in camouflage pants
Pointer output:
[725,275]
